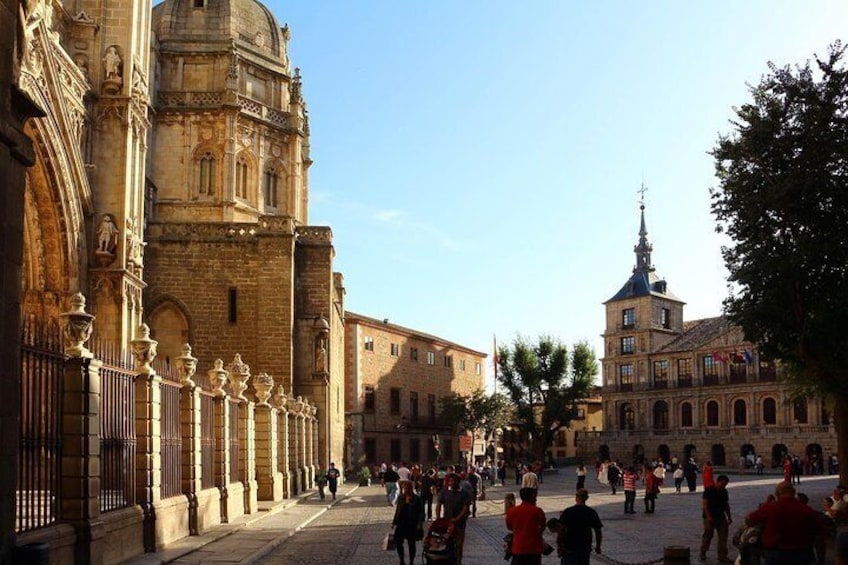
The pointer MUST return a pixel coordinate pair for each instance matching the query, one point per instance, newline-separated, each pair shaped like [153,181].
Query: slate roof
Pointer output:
[698,333]
[644,283]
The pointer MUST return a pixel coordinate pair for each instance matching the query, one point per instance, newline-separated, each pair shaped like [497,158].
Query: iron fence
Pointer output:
[117,427]
[171,439]
[40,447]
[207,440]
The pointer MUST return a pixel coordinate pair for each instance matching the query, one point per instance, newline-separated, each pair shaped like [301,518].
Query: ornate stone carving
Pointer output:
[135,247]
[107,240]
[113,71]
[144,351]
[186,366]
[263,383]
[314,409]
[280,398]
[218,378]
[239,374]
[320,354]
[77,328]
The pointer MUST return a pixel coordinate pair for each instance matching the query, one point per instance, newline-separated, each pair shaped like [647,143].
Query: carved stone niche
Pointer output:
[113,71]
[320,341]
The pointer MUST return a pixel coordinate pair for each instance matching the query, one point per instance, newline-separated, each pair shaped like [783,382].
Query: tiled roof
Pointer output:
[697,333]
[385,324]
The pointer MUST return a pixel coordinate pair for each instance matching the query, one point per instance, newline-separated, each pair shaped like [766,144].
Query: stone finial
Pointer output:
[186,366]
[78,325]
[292,405]
[280,398]
[144,351]
[218,378]
[263,383]
[314,409]
[239,375]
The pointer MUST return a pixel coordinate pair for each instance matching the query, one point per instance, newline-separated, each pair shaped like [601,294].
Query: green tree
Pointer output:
[475,413]
[543,383]
[782,199]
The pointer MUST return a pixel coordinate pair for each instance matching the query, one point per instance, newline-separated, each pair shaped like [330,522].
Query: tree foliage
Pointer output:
[475,413]
[782,199]
[543,383]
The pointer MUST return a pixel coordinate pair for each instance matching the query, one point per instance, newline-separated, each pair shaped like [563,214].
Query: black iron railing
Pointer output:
[171,439]
[207,440]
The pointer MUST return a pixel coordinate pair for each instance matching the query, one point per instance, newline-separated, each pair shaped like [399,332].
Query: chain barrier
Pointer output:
[607,559]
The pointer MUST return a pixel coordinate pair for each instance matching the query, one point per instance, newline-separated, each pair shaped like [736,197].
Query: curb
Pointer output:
[280,540]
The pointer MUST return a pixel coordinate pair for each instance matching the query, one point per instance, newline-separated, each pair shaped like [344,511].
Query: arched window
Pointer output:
[740,413]
[799,411]
[686,415]
[712,413]
[769,412]
[660,415]
[242,177]
[272,180]
[206,180]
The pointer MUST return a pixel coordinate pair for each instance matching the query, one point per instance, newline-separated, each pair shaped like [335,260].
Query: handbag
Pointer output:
[389,542]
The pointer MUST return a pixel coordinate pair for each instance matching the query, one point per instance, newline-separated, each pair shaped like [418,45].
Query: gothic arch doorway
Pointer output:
[664,453]
[717,455]
[638,454]
[778,453]
[689,451]
[604,452]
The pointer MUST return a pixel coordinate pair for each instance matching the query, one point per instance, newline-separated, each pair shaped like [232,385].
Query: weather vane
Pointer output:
[642,190]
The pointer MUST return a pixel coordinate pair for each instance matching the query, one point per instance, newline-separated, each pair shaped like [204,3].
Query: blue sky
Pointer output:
[478,161]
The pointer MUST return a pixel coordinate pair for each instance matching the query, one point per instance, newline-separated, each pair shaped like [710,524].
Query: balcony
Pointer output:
[684,381]
[711,380]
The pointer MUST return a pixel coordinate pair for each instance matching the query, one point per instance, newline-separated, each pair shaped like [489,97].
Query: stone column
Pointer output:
[315,456]
[221,469]
[239,376]
[268,479]
[283,463]
[190,427]
[301,442]
[148,427]
[81,395]
[294,449]
[309,468]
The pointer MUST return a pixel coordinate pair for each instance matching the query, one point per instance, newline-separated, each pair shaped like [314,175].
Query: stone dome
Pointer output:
[249,23]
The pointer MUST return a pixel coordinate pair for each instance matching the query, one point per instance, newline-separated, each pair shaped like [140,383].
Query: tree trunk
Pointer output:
[840,422]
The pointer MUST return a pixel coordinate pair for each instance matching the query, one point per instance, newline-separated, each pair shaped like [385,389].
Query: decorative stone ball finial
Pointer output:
[186,366]
[144,351]
[263,383]
[78,325]
[218,378]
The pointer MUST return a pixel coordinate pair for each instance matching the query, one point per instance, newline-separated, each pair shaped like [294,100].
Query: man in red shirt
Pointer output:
[526,522]
[789,528]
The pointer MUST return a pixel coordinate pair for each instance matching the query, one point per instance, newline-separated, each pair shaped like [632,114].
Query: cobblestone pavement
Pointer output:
[352,531]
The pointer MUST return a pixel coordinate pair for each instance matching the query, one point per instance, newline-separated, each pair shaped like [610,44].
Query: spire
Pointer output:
[643,248]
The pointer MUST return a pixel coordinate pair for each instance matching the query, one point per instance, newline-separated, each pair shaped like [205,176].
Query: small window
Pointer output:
[625,374]
[661,374]
[431,408]
[628,318]
[415,449]
[413,353]
[206,181]
[369,343]
[431,357]
[199,3]
[413,407]
[394,448]
[369,398]
[665,318]
[684,368]
[478,368]
[394,406]
[242,177]
[462,364]
[232,309]
[686,415]
[448,361]
[628,344]
[271,189]
[395,349]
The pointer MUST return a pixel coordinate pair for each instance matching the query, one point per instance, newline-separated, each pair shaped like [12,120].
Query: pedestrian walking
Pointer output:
[652,489]
[630,477]
[678,478]
[708,474]
[453,504]
[527,524]
[613,475]
[715,511]
[690,472]
[581,476]
[408,521]
[529,479]
[390,479]
[428,488]
[333,479]
[321,482]
[789,528]
[577,524]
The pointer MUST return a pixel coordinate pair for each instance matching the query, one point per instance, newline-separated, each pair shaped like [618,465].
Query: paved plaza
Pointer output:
[351,531]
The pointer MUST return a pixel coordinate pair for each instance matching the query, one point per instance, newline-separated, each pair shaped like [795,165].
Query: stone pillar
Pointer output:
[239,375]
[190,427]
[294,450]
[315,458]
[268,479]
[221,469]
[283,463]
[301,442]
[309,468]
[81,395]
[148,427]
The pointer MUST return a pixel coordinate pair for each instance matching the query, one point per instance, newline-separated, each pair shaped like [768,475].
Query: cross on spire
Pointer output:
[642,190]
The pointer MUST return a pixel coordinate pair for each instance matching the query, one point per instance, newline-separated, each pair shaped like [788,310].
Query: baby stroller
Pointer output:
[439,544]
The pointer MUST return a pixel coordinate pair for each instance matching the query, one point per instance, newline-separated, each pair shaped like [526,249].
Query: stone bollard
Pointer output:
[509,502]
[676,555]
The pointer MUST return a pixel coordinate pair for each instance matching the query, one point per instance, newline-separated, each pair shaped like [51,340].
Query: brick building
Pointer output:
[394,378]
[693,388]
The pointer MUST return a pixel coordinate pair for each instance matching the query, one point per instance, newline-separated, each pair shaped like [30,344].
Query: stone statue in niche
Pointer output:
[135,246]
[107,239]
[321,355]
[112,71]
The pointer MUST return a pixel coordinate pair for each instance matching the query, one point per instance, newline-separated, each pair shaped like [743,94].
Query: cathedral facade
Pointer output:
[173,329]
[696,388]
